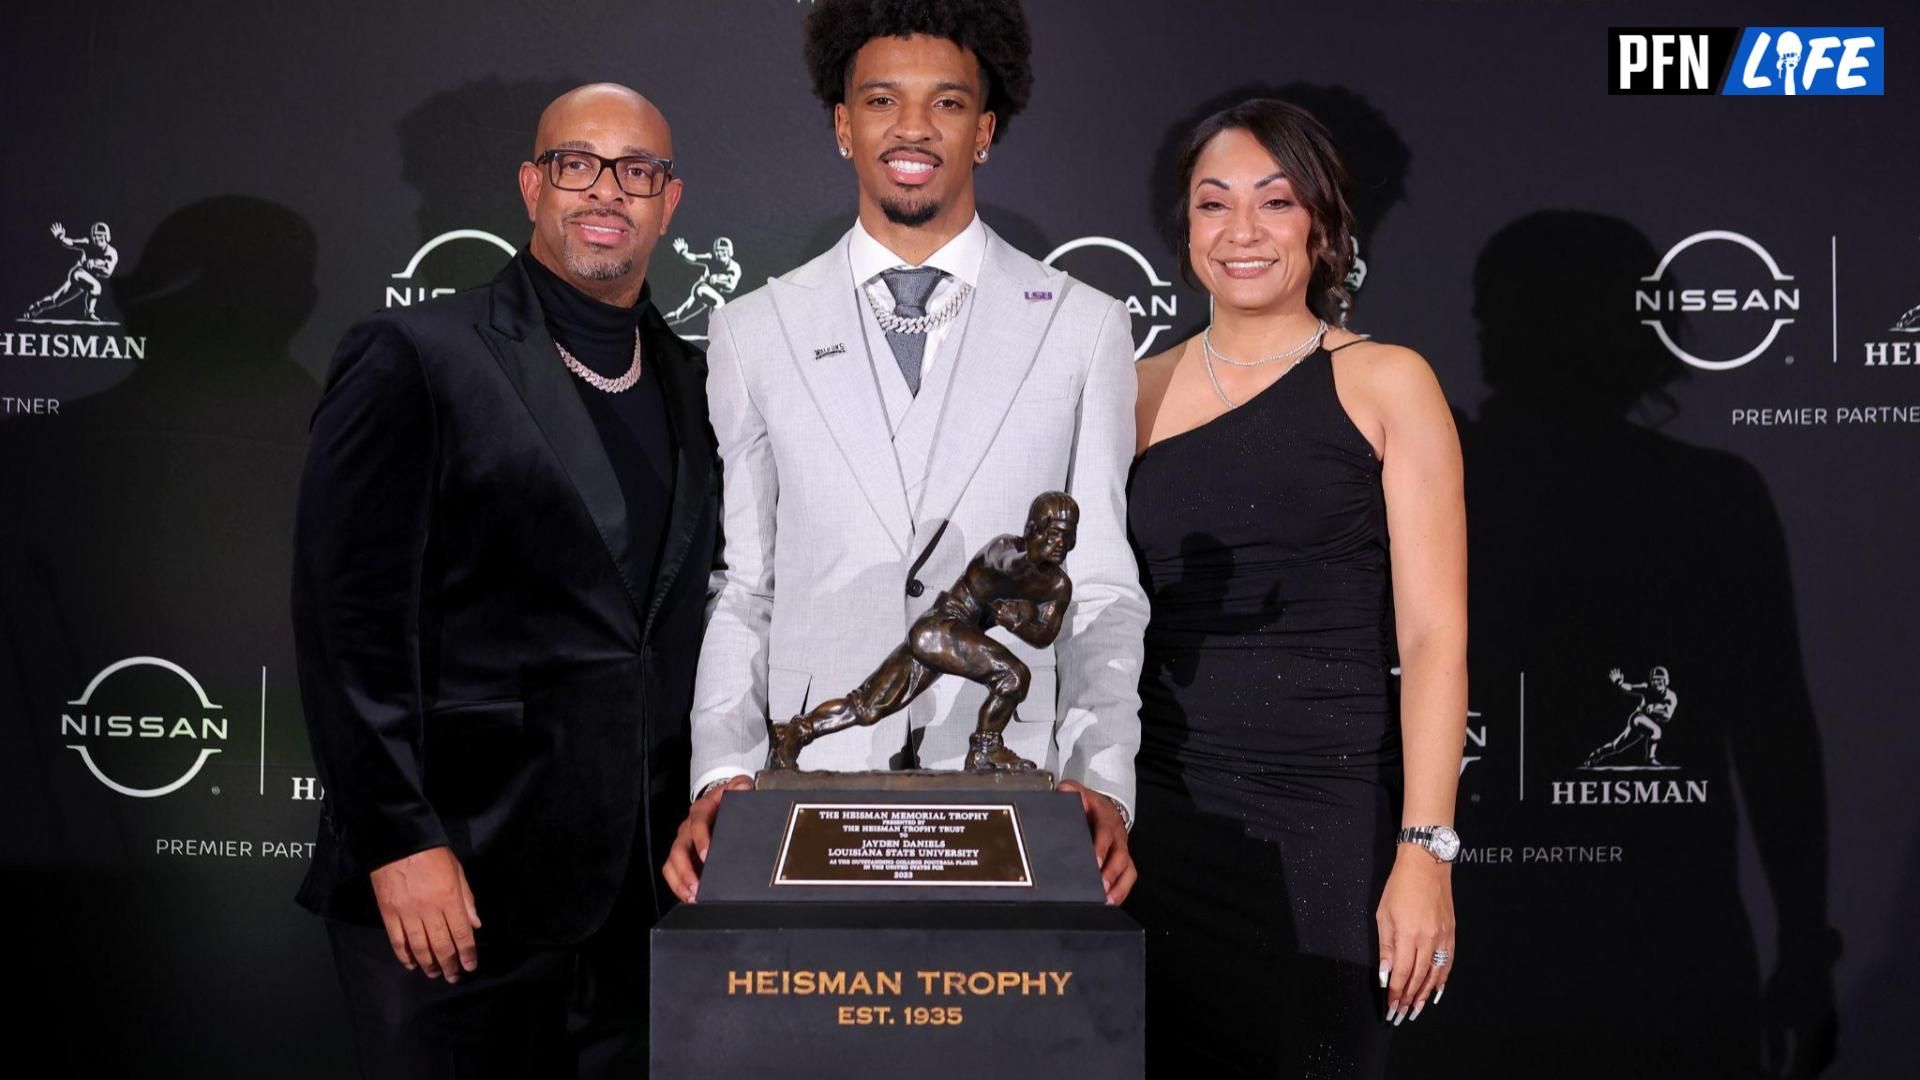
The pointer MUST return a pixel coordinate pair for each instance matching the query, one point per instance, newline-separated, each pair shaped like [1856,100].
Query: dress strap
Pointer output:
[1355,341]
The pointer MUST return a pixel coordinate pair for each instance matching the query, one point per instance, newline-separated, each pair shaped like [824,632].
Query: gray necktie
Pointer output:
[910,289]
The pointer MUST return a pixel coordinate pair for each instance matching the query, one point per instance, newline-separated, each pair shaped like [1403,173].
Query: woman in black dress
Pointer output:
[1292,916]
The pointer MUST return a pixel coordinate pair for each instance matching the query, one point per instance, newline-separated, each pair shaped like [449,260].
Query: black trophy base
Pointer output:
[929,991]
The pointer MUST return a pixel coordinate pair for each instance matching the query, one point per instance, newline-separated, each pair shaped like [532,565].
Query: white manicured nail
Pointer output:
[1385,970]
[1416,1010]
[1403,1016]
[1437,993]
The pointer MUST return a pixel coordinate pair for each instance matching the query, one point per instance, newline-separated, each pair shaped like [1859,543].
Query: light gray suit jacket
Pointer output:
[825,513]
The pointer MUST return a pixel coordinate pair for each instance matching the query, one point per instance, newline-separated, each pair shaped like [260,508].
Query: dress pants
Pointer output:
[526,1012]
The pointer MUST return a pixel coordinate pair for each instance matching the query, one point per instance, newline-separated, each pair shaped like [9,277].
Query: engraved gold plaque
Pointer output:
[910,844]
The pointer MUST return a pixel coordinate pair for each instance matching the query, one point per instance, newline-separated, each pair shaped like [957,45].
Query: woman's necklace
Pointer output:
[1297,353]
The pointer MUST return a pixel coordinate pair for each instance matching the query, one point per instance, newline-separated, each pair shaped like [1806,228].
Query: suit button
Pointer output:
[914,588]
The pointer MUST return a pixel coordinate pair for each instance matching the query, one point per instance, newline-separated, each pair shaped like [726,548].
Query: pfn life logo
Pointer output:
[1754,61]
[1796,61]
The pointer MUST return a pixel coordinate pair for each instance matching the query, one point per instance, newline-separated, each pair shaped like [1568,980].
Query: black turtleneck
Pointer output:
[633,425]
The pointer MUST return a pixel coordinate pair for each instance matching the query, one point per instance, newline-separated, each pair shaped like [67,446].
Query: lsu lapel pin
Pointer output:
[834,349]
[1036,295]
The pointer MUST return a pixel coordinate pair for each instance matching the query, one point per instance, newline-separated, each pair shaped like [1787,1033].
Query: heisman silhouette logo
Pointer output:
[1897,353]
[105,730]
[719,277]
[75,324]
[1908,322]
[1357,276]
[1634,749]
[1637,747]
[77,301]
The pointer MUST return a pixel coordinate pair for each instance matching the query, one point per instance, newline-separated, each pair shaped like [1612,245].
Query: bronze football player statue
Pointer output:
[1015,582]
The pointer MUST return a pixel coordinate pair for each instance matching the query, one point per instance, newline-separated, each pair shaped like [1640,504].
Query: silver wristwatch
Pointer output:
[1440,841]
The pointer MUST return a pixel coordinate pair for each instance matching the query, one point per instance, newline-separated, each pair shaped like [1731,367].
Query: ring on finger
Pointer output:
[1441,958]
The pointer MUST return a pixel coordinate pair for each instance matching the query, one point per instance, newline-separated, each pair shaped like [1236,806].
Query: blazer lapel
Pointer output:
[683,379]
[1001,340]
[517,335]
[819,314]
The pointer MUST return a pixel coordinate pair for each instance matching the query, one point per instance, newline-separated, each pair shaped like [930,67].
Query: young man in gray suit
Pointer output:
[892,405]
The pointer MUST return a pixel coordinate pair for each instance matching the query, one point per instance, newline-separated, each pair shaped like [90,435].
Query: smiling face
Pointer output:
[1250,241]
[599,239]
[913,121]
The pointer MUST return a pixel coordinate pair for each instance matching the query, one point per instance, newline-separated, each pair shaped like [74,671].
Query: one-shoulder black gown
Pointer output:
[1269,768]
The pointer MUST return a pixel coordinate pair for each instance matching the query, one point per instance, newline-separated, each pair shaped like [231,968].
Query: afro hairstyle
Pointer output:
[995,31]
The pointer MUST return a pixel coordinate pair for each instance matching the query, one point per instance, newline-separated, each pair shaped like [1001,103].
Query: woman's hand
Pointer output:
[1415,919]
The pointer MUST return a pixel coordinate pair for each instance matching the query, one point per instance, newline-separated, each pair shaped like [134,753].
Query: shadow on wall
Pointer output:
[1599,545]
[155,519]
[461,149]
[460,152]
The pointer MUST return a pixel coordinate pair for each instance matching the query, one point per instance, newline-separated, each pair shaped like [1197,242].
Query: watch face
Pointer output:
[1445,844]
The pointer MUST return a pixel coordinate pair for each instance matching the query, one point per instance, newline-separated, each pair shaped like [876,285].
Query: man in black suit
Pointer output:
[504,533]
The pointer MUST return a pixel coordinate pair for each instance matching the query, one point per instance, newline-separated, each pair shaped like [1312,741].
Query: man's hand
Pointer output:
[689,853]
[1117,874]
[429,913]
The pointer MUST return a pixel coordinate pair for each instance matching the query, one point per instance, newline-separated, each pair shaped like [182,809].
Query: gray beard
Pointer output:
[592,269]
[912,215]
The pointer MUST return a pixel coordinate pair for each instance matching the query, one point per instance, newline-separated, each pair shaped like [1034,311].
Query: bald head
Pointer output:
[599,238]
[604,105]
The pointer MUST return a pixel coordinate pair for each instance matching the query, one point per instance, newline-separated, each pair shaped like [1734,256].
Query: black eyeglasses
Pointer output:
[642,176]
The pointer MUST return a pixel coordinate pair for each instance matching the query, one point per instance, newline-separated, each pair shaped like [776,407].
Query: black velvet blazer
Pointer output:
[477,664]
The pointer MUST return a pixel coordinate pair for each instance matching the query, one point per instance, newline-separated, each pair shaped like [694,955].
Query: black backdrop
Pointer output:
[270,172]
